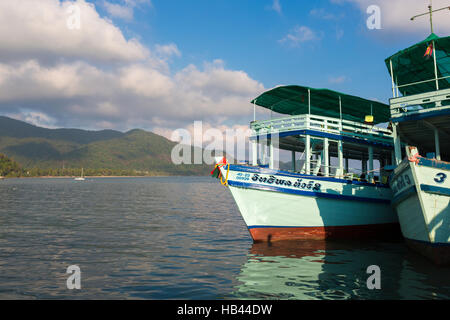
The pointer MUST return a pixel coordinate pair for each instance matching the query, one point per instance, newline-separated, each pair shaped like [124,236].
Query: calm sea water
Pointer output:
[179,238]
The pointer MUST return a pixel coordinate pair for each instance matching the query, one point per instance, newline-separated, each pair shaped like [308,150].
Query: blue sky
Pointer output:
[163,64]
[345,55]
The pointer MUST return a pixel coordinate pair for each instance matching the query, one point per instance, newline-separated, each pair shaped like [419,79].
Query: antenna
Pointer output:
[430,12]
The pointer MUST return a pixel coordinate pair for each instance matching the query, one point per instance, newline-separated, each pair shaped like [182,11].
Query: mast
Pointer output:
[430,12]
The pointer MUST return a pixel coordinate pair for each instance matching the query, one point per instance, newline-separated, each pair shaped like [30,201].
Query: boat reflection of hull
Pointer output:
[279,205]
[324,269]
[422,200]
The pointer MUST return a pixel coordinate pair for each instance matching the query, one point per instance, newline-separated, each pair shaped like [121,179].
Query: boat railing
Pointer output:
[420,102]
[357,174]
[322,124]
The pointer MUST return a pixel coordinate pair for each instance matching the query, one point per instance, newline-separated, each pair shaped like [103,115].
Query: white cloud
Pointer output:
[299,35]
[276,6]
[119,11]
[28,81]
[108,81]
[36,118]
[167,51]
[38,30]
[337,80]
[396,15]
[145,81]
[134,92]
[125,10]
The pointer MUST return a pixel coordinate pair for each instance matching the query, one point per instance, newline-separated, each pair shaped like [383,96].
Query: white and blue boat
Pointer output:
[420,113]
[320,196]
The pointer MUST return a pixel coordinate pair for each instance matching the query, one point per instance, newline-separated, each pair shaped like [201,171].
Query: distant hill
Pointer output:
[19,129]
[108,152]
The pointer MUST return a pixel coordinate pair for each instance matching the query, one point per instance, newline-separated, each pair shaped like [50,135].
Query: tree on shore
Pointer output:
[9,168]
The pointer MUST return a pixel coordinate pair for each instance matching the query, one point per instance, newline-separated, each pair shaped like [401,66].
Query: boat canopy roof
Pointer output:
[412,65]
[295,100]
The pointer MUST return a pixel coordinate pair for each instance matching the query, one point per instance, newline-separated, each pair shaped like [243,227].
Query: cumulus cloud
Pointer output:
[119,11]
[36,118]
[101,79]
[299,35]
[167,51]
[396,15]
[124,10]
[39,30]
[137,93]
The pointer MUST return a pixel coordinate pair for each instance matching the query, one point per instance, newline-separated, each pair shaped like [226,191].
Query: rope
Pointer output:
[220,165]
[225,183]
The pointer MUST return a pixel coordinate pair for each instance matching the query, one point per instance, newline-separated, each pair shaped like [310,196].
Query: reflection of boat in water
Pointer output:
[421,120]
[315,269]
[315,200]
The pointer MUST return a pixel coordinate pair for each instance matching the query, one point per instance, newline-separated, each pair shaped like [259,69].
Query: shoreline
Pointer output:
[87,177]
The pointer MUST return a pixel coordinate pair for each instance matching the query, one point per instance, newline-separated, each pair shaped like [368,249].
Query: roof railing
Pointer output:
[420,82]
[419,103]
[321,124]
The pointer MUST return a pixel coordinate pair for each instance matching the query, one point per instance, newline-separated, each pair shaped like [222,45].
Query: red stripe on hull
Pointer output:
[439,254]
[374,231]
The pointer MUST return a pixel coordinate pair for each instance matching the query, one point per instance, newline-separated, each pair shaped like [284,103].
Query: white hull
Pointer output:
[278,205]
[422,200]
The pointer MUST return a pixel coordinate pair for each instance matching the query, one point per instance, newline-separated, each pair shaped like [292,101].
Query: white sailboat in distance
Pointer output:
[80,178]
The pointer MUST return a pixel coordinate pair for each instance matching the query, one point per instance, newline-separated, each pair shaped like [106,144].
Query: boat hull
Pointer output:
[421,199]
[277,205]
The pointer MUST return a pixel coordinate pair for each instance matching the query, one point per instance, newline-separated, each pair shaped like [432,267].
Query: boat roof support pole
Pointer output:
[255,152]
[340,113]
[370,164]
[309,101]
[436,144]
[437,133]
[435,65]
[263,151]
[294,167]
[340,171]
[308,154]
[396,87]
[326,157]
[274,148]
[392,78]
[271,155]
[254,110]
[397,144]
[364,165]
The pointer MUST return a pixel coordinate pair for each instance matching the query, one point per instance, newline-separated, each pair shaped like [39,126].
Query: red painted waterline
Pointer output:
[372,231]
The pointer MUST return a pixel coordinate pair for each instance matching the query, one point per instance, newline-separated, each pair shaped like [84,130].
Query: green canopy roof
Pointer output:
[411,65]
[293,100]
